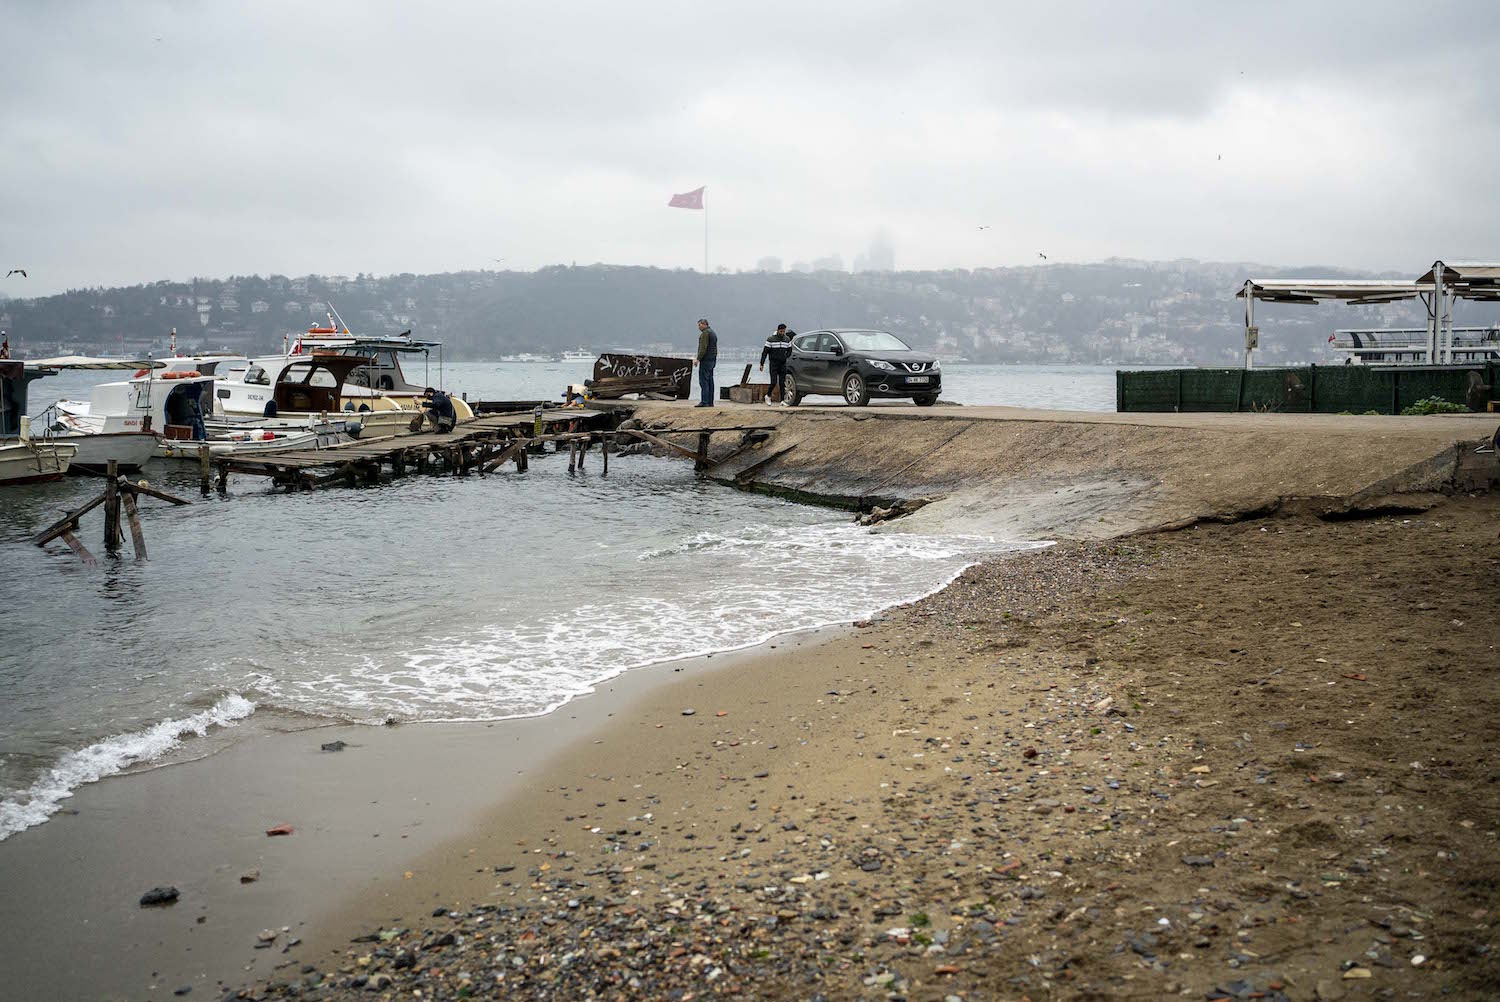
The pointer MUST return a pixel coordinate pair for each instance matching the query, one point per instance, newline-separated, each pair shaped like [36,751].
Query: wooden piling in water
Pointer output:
[203,469]
[137,537]
[112,507]
[604,446]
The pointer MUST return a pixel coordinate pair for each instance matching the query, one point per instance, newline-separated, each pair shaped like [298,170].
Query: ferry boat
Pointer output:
[579,355]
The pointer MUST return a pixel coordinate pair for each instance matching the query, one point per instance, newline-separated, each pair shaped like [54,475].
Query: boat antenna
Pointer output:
[172,343]
[339,318]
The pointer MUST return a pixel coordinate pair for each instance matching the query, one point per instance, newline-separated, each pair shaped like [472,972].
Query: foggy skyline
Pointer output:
[176,139]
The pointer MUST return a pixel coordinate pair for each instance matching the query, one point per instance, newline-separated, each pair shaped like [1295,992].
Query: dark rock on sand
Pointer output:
[335,746]
[158,896]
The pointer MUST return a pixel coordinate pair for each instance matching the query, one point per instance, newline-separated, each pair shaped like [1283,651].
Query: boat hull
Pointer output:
[130,450]
[23,463]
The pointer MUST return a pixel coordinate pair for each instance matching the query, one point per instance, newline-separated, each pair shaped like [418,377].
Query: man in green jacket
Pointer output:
[708,357]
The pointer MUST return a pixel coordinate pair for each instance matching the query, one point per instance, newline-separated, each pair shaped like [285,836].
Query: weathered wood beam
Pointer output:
[137,537]
[76,545]
[67,523]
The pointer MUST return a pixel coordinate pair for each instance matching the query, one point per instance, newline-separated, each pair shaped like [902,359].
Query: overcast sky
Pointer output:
[146,141]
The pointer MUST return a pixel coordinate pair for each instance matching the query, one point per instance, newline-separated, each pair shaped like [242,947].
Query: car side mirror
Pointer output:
[838,349]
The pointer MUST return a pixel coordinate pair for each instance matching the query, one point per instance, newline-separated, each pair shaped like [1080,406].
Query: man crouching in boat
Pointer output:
[438,410]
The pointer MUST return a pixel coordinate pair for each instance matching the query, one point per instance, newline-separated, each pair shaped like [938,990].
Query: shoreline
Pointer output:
[119,836]
[1088,771]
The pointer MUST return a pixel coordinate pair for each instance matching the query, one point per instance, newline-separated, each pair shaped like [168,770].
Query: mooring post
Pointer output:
[112,506]
[137,537]
[572,457]
[702,462]
[203,469]
[583,450]
[224,478]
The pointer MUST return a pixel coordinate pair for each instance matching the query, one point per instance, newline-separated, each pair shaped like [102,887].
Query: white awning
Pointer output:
[1317,290]
[93,362]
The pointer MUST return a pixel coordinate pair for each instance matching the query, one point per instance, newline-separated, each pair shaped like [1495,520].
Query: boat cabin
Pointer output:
[310,384]
[14,376]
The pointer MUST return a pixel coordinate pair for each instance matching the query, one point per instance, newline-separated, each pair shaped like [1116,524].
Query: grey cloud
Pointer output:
[342,137]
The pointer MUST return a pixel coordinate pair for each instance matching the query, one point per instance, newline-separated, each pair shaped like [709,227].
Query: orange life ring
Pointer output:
[190,374]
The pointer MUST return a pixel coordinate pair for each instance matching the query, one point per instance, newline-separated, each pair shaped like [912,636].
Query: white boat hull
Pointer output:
[129,449]
[33,462]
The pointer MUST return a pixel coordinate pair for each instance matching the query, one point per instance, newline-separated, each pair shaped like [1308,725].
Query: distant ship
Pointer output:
[579,355]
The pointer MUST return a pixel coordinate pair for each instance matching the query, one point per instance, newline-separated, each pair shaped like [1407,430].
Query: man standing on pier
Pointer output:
[778,349]
[708,357]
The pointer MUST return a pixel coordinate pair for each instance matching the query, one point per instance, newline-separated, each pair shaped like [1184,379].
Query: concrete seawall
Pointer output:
[1024,473]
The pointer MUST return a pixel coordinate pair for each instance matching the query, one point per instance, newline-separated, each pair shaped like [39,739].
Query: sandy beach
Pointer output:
[1248,760]
[1243,760]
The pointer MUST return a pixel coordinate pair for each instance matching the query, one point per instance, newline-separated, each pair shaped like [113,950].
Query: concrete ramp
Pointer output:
[1022,474]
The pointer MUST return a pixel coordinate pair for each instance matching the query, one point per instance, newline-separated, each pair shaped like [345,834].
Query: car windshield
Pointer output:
[872,341]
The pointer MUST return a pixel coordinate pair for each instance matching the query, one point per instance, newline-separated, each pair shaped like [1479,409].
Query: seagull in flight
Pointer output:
[984,227]
[1041,255]
[17,271]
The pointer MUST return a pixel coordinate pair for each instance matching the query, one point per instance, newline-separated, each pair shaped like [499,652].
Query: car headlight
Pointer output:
[935,366]
[879,364]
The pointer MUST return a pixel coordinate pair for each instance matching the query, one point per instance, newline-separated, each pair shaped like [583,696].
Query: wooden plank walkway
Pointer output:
[472,444]
[483,445]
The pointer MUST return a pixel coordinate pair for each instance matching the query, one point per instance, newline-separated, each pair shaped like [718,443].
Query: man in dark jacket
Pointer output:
[778,349]
[438,410]
[708,357]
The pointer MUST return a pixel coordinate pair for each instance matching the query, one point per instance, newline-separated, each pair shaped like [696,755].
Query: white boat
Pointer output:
[244,441]
[29,461]
[579,355]
[89,444]
[126,420]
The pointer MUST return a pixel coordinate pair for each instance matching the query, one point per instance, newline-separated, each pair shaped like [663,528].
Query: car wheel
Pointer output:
[792,394]
[855,393]
[925,401]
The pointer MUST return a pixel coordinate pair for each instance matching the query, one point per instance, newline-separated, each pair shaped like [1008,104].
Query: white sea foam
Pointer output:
[104,758]
[712,592]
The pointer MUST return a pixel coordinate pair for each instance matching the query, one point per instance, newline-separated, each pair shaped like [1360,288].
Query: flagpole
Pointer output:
[705,236]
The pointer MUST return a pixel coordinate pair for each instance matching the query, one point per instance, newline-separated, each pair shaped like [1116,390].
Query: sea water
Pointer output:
[426,599]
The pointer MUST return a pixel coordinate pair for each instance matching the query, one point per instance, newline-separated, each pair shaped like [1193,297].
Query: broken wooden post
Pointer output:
[76,545]
[701,463]
[572,457]
[137,537]
[112,506]
[224,478]
[203,469]
[604,446]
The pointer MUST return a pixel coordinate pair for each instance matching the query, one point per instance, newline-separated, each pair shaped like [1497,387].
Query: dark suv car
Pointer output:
[860,365]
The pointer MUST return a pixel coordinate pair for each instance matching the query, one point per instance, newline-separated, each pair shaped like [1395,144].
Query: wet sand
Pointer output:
[362,818]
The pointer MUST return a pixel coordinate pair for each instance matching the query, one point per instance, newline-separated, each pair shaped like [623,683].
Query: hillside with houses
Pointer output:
[1113,312]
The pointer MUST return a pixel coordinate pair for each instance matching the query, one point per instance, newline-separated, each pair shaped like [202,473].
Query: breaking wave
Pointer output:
[109,756]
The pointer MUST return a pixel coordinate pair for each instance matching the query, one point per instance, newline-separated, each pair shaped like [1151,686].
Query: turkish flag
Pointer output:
[688,200]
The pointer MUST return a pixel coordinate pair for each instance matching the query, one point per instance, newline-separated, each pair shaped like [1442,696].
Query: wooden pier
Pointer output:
[482,445]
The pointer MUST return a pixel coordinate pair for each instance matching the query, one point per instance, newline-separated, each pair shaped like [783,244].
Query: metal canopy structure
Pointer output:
[1317,290]
[1437,289]
[1467,279]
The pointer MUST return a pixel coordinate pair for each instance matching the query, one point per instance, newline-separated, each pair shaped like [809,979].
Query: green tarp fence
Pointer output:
[1326,389]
